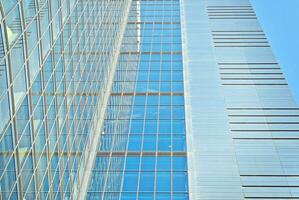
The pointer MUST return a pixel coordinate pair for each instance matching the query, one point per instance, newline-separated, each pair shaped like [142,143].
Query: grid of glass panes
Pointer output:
[147,159]
[55,56]
[115,132]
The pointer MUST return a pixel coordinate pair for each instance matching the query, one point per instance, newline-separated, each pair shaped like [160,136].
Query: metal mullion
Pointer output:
[30,86]
[144,123]
[63,169]
[52,44]
[157,133]
[7,77]
[86,83]
[75,12]
[49,164]
[34,178]
[57,144]
[61,30]
[111,61]
[158,118]
[22,31]
[9,50]
[29,100]
[6,14]
[58,168]
[73,123]
[13,80]
[142,135]
[27,90]
[27,155]
[54,170]
[76,136]
[20,169]
[109,161]
[78,107]
[44,149]
[65,99]
[43,87]
[80,59]
[62,26]
[6,167]
[126,151]
[45,174]
[184,105]
[65,148]
[12,110]
[171,121]
[46,116]
[130,123]
[68,23]
[72,79]
[55,84]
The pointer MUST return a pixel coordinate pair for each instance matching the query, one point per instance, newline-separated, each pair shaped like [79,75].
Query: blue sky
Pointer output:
[280,22]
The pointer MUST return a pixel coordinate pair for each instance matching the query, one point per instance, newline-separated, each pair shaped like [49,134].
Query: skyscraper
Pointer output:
[242,124]
[58,59]
[142,153]
[142,99]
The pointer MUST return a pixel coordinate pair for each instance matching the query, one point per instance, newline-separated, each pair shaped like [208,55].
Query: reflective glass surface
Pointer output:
[54,72]
[142,152]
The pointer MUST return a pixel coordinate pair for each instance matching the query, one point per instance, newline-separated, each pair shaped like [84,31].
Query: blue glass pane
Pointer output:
[164,163]
[132,163]
[130,181]
[147,181]
[148,163]
[135,142]
[179,163]
[149,143]
[180,181]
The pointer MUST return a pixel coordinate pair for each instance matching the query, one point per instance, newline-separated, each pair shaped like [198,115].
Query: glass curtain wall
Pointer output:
[142,152]
[55,57]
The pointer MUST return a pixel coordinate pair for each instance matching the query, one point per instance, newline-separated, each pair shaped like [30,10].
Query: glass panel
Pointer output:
[4,110]
[7,167]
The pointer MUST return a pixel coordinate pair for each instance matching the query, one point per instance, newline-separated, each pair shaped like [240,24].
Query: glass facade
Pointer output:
[56,61]
[142,99]
[142,151]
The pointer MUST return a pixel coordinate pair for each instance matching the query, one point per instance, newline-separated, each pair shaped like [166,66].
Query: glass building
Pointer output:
[142,99]
[58,59]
